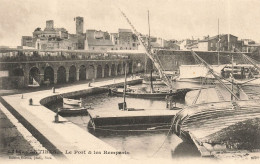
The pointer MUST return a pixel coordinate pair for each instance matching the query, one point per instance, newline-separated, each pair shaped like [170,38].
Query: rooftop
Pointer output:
[124,30]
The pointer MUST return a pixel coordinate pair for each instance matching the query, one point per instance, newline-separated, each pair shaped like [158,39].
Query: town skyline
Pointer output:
[185,19]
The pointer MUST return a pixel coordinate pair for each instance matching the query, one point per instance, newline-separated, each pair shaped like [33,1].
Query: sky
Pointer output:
[169,19]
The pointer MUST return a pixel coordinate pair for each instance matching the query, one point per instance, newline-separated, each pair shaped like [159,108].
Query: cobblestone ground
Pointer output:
[16,142]
[11,139]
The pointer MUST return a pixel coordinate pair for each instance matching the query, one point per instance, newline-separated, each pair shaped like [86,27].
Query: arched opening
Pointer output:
[91,72]
[34,74]
[99,71]
[18,72]
[72,74]
[130,69]
[113,70]
[49,74]
[106,71]
[82,72]
[119,69]
[61,75]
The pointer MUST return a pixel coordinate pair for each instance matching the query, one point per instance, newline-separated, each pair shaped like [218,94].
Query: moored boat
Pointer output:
[71,102]
[178,94]
[73,111]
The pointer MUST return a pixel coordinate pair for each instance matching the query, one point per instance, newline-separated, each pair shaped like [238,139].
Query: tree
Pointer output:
[38,29]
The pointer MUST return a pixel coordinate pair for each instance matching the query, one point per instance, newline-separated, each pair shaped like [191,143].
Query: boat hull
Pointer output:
[73,112]
[71,102]
[179,94]
[216,128]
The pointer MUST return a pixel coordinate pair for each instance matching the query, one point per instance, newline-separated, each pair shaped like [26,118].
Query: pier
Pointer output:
[62,137]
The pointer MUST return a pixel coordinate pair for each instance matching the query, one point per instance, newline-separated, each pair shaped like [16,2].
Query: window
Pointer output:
[133,44]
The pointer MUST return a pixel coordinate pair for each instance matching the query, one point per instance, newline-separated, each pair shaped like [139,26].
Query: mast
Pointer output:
[218,41]
[149,38]
[149,50]
[153,57]
[124,104]
[232,73]
[210,69]
[151,80]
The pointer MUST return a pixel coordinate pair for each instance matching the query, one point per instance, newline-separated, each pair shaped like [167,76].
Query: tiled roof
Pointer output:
[99,42]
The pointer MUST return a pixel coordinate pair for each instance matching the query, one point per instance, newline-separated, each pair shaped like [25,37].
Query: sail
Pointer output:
[153,56]
[35,83]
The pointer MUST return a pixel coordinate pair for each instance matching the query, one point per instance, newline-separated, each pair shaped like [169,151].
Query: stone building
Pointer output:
[226,42]
[27,41]
[98,40]
[125,39]
[56,38]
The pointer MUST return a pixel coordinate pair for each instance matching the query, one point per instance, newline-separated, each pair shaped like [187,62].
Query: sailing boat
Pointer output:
[152,94]
[34,84]
[221,129]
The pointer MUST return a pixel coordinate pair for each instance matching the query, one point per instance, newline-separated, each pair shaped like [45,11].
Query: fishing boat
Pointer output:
[72,102]
[131,119]
[222,129]
[73,111]
[179,94]
[153,93]
[73,107]
[155,82]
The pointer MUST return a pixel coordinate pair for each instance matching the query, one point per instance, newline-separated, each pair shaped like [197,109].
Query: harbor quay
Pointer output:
[62,139]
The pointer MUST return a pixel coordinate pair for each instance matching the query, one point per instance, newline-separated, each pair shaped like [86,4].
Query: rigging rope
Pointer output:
[197,96]
[154,57]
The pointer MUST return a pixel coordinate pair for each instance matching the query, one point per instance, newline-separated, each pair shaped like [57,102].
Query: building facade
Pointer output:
[56,38]
[225,42]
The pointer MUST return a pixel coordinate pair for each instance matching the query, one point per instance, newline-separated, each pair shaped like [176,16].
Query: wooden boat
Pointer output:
[156,82]
[120,121]
[71,102]
[217,128]
[178,94]
[73,111]
[221,129]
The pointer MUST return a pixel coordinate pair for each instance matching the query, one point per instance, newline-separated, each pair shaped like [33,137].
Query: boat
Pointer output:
[34,84]
[73,111]
[72,102]
[179,94]
[119,121]
[156,82]
[222,129]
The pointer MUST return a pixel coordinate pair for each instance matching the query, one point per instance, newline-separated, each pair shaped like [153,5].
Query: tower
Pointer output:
[79,25]
[49,24]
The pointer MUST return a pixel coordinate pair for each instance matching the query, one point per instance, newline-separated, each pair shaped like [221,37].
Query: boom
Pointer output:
[213,73]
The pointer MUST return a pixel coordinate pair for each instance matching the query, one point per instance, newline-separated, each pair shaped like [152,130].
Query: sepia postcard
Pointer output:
[129,81]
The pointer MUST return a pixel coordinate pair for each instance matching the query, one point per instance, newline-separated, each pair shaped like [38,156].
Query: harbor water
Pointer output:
[144,144]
